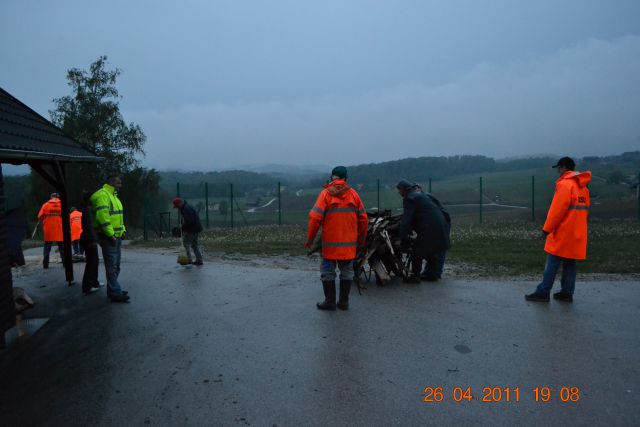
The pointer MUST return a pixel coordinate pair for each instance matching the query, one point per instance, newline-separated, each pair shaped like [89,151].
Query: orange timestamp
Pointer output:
[495,394]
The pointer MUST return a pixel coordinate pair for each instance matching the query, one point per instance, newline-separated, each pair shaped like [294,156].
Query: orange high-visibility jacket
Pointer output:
[344,221]
[567,218]
[76,225]
[51,216]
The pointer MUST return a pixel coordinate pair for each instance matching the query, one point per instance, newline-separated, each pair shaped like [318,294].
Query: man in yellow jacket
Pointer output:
[108,221]
[566,231]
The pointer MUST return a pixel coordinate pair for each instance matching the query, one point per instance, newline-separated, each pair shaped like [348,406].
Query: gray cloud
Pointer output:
[583,100]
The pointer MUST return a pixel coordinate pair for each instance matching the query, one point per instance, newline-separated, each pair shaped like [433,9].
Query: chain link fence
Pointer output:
[469,199]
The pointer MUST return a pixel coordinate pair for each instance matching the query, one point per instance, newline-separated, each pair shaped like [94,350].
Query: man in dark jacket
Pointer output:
[441,256]
[423,216]
[191,227]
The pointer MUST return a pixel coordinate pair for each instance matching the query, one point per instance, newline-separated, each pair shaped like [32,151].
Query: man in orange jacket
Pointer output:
[566,231]
[51,217]
[344,222]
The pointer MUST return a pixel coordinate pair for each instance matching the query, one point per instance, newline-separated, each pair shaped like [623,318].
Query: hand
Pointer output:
[544,234]
[114,241]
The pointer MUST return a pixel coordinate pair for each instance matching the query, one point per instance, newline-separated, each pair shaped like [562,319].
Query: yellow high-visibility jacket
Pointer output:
[108,218]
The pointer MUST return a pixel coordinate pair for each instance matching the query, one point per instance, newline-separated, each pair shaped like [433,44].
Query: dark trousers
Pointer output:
[432,264]
[440,257]
[90,277]
[47,251]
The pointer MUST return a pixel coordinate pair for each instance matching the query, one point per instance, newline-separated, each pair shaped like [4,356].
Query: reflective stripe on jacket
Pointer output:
[344,222]
[51,216]
[567,218]
[75,218]
[108,217]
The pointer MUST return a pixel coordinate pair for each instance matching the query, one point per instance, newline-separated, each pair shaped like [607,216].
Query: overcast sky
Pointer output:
[216,84]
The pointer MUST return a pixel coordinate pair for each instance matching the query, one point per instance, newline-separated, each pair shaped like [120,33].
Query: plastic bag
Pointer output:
[183,259]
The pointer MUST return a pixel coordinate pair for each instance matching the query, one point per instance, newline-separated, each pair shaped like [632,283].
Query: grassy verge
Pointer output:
[517,247]
[255,240]
[507,248]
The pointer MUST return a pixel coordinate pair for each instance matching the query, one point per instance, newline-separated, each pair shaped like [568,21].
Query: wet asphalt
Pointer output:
[228,344]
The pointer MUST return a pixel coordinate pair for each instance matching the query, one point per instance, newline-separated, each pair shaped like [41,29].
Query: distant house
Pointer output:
[28,138]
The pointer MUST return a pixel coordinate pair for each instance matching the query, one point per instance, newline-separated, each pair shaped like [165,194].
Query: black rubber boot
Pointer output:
[329,302]
[345,288]
[45,263]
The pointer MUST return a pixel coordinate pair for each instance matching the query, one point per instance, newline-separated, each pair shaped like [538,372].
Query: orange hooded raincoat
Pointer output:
[567,218]
[344,221]
[76,225]
[51,216]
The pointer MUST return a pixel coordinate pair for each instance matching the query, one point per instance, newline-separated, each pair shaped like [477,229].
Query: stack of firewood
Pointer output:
[380,255]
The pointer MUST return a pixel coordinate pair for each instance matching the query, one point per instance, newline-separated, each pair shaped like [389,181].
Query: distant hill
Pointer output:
[192,183]
[417,168]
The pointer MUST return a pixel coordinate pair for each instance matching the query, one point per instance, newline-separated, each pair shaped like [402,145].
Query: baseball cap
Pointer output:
[566,162]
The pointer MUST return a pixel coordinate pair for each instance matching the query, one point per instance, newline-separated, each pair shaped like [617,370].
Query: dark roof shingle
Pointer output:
[26,134]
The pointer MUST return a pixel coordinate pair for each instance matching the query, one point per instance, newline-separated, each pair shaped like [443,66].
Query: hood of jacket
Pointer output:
[337,188]
[582,178]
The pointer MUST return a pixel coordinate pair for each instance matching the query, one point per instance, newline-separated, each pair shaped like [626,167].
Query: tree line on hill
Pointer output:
[616,168]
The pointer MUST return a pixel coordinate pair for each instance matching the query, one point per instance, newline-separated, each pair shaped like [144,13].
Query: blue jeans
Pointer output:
[328,269]
[568,279]
[111,253]
[76,247]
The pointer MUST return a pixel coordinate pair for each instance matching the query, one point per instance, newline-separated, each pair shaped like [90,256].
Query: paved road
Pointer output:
[226,344]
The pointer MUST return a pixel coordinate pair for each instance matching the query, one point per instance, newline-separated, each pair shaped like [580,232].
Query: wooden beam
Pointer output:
[49,177]
[59,171]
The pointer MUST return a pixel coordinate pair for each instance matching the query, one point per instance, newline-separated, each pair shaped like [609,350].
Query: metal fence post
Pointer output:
[144,227]
[378,190]
[638,195]
[480,200]
[178,215]
[231,202]
[430,185]
[279,204]
[533,198]
[206,203]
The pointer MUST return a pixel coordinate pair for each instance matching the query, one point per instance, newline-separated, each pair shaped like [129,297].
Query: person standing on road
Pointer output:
[566,232]
[109,223]
[51,217]
[426,218]
[89,245]
[75,219]
[191,227]
[340,213]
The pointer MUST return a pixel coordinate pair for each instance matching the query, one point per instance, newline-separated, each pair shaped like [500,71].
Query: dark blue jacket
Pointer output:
[424,216]
[190,219]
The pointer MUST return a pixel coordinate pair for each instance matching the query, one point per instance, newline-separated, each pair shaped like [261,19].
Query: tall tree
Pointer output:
[91,115]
